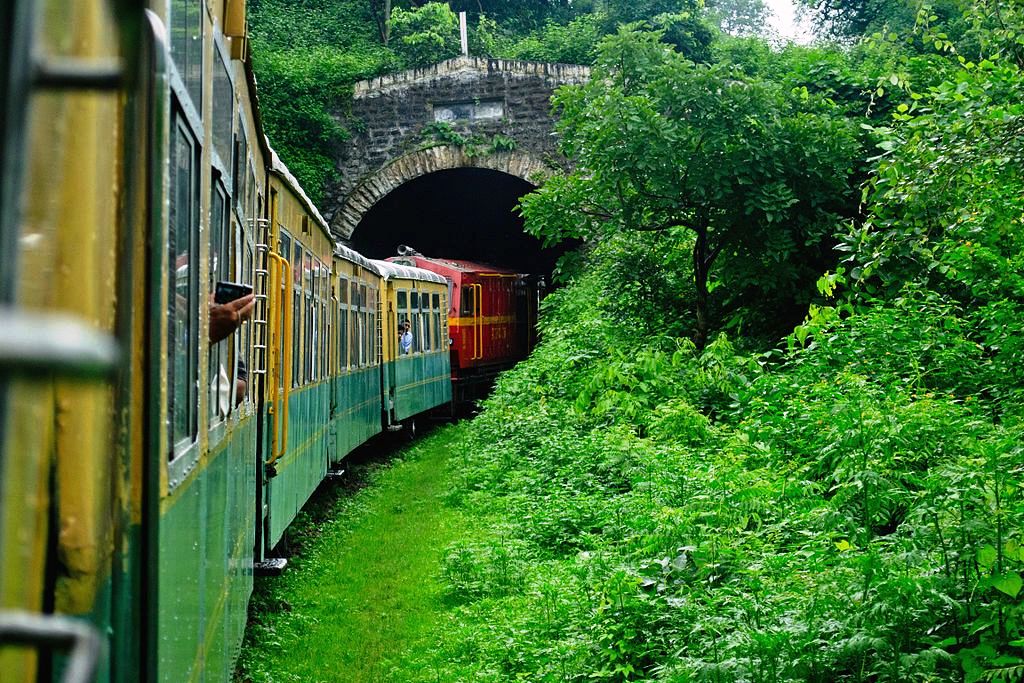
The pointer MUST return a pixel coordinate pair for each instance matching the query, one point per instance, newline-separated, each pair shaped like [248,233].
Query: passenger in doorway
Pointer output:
[405,338]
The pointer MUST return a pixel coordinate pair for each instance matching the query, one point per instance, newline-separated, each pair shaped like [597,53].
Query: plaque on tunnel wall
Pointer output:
[469,111]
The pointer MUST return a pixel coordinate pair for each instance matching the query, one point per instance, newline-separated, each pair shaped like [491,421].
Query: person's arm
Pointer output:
[226,318]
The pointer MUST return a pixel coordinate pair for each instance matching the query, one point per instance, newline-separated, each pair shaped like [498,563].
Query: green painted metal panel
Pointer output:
[356,410]
[206,539]
[421,382]
[304,464]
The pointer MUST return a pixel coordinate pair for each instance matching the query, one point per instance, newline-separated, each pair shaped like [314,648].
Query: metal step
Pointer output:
[272,566]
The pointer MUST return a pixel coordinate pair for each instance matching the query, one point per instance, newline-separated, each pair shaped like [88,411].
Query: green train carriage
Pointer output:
[356,353]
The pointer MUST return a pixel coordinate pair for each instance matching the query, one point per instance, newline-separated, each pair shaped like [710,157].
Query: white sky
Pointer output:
[785,22]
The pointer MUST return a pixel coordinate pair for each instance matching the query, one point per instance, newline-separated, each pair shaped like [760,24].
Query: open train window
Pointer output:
[218,373]
[343,323]
[357,330]
[325,332]
[296,314]
[372,306]
[467,300]
[364,319]
[307,312]
[436,301]
[425,321]
[183,295]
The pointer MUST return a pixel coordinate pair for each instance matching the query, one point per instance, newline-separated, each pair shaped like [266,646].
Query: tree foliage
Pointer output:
[754,174]
[425,35]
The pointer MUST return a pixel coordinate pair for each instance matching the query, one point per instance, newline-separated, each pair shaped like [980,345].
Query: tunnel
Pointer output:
[463,213]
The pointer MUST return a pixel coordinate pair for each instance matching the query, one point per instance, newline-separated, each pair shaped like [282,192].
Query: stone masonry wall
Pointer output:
[475,96]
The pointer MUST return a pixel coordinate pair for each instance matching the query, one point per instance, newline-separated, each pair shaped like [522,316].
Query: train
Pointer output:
[148,467]
[492,318]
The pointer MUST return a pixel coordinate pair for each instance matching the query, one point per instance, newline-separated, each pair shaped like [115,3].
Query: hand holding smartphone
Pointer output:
[229,291]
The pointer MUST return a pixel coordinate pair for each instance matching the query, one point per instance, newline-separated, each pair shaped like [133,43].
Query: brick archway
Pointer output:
[361,199]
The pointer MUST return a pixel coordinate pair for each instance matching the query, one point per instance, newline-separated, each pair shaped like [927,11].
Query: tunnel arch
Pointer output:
[523,165]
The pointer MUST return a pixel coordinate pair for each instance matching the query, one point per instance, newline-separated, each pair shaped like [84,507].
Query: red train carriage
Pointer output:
[492,318]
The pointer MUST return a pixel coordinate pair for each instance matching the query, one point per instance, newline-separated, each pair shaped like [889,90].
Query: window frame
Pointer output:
[183,451]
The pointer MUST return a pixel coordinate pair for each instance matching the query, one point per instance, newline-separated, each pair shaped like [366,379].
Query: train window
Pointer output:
[218,375]
[284,247]
[318,323]
[360,344]
[296,263]
[354,326]
[436,300]
[183,299]
[414,315]
[372,304]
[325,334]
[356,340]
[403,313]
[307,287]
[223,111]
[186,29]
[425,328]
[343,322]
[467,300]
[364,357]
[239,161]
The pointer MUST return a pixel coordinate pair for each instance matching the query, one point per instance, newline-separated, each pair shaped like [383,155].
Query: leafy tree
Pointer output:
[572,43]
[523,16]
[739,17]
[425,35]
[754,174]
[847,19]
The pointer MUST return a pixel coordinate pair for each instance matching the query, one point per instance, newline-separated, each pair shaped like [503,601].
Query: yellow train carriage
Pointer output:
[295,447]
[414,350]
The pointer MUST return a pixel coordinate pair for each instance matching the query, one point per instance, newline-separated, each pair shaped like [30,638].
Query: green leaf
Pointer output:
[1009,583]
[987,556]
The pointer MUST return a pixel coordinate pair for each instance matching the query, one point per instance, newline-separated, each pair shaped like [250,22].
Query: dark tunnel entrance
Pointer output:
[464,213]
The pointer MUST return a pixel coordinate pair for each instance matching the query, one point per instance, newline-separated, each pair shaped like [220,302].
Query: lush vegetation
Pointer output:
[685,482]
[848,505]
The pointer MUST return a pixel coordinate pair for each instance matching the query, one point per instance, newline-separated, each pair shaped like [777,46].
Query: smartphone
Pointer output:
[229,291]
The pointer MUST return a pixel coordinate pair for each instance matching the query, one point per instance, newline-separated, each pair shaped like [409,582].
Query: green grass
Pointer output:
[363,589]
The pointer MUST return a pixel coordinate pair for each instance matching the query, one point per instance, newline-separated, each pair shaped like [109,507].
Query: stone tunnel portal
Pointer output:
[463,213]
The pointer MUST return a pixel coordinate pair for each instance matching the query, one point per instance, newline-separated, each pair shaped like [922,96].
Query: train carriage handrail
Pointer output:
[54,344]
[80,639]
[478,325]
[283,354]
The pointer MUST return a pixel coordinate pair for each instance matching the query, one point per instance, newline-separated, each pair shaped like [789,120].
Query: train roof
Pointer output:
[391,271]
[343,252]
[453,264]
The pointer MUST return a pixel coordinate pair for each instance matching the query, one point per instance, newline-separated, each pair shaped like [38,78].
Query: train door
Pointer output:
[472,315]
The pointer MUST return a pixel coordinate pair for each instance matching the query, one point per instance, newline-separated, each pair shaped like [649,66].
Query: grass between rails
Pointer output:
[363,588]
